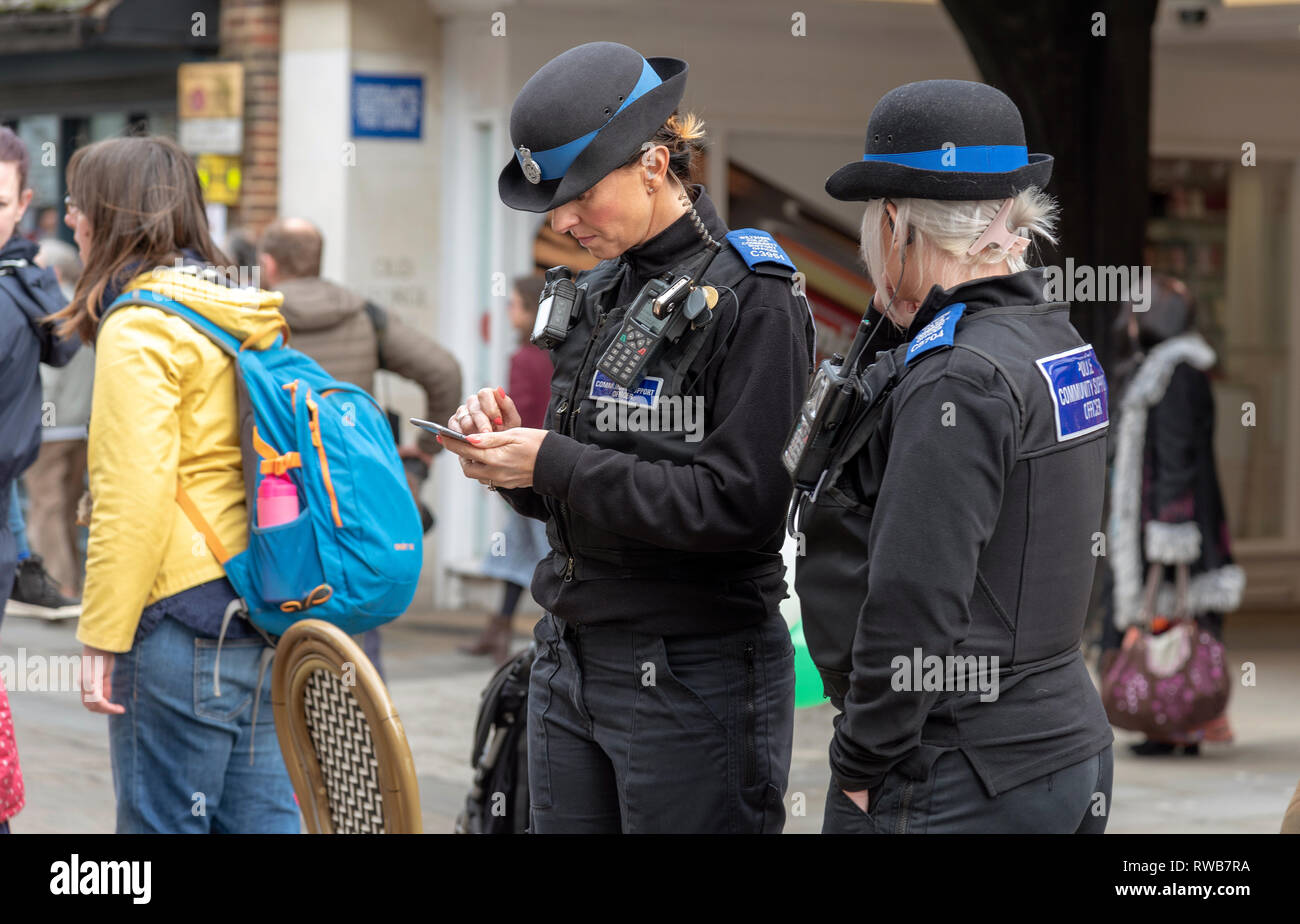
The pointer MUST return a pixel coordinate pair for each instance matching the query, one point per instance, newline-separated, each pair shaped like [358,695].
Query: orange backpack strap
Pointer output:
[202,525]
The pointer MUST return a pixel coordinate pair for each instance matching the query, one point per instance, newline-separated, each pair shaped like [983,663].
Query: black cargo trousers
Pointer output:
[952,800]
[638,733]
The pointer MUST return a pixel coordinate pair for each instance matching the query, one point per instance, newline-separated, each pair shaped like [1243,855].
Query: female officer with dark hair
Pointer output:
[949,543]
[662,694]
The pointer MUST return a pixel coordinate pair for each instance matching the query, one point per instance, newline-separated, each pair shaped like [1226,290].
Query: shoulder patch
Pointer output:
[938,333]
[1079,393]
[760,251]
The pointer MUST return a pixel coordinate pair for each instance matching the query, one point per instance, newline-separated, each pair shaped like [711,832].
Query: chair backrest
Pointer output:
[1291,821]
[342,740]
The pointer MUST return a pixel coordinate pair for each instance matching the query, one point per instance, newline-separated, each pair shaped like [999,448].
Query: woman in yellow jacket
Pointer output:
[164,425]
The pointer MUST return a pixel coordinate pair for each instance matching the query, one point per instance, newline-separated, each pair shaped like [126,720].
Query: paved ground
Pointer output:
[1243,787]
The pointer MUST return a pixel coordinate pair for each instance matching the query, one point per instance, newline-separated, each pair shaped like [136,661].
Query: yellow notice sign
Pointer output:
[220,176]
[210,90]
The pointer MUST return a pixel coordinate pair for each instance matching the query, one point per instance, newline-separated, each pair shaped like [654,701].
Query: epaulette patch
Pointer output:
[938,333]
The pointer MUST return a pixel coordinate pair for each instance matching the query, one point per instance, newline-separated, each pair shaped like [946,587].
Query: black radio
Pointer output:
[660,314]
[832,399]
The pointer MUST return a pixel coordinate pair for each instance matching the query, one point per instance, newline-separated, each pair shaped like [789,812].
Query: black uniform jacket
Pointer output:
[677,531]
[964,528]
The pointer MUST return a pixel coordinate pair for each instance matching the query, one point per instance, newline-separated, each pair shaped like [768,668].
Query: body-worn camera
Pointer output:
[557,309]
[660,314]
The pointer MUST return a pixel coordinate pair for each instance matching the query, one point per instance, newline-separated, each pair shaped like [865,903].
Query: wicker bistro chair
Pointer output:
[341,737]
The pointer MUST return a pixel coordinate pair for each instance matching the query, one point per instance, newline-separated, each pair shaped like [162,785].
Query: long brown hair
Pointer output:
[142,198]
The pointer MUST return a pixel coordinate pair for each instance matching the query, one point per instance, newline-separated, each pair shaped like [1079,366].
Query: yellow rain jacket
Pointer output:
[164,415]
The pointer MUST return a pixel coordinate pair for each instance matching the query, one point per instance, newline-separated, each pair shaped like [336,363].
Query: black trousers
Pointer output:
[952,800]
[637,733]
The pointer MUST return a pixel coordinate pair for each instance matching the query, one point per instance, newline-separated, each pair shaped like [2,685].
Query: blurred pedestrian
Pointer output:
[47,224]
[1167,507]
[58,479]
[523,542]
[28,297]
[353,339]
[164,430]
[241,246]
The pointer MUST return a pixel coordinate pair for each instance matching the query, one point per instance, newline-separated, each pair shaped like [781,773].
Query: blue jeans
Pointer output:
[17,525]
[186,760]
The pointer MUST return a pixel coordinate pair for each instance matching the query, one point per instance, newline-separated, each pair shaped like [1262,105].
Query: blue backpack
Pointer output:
[352,557]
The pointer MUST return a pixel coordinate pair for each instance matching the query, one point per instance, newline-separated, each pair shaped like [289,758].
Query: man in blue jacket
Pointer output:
[28,295]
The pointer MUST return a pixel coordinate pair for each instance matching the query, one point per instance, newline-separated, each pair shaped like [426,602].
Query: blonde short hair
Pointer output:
[943,230]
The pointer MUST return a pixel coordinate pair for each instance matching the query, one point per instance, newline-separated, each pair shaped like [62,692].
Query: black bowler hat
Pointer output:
[582,115]
[942,139]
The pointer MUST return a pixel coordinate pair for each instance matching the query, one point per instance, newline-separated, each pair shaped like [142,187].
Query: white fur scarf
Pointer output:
[1219,589]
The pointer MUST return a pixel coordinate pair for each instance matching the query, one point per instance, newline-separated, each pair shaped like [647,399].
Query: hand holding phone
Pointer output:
[438,429]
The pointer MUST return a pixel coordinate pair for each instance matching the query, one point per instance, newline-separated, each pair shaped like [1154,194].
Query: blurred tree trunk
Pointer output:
[1086,100]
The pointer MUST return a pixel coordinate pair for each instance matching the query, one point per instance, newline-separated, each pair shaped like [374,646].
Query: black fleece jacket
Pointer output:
[659,529]
[969,545]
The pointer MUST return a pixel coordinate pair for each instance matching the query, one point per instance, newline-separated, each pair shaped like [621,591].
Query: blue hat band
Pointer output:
[975,158]
[556,161]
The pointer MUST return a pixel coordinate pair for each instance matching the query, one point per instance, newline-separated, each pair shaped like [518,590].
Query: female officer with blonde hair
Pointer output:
[662,695]
[949,545]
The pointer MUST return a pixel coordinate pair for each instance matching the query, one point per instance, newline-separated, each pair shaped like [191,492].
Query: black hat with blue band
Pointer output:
[584,114]
[942,139]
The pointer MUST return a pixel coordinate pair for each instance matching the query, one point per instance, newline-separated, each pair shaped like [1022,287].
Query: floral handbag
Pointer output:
[1168,682]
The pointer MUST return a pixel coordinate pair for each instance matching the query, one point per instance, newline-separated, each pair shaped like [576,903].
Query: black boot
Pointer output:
[1151,748]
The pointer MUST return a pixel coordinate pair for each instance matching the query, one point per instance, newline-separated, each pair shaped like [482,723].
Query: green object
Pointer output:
[807,682]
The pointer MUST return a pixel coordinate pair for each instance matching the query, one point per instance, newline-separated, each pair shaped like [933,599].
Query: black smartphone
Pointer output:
[438,429]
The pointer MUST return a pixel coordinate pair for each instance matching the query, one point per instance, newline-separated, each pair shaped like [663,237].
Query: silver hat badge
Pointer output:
[532,172]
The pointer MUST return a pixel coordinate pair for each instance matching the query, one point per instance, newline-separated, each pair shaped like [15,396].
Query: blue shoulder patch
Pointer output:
[938,333]
[758,247]
[1078,389]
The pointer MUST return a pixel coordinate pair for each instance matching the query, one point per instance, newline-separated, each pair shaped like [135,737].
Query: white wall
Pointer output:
[314,89]
[375,200]
[393,242]
[483,246]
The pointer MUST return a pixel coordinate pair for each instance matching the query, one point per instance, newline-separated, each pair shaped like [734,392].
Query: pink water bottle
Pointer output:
[277,501]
